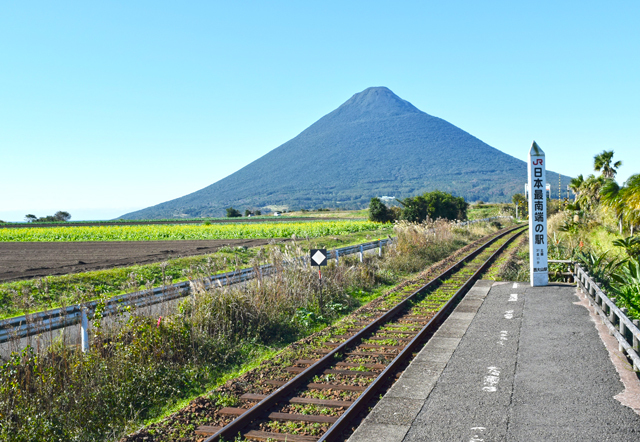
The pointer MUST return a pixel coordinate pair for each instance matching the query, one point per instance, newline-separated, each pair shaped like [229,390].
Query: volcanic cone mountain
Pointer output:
[375,144]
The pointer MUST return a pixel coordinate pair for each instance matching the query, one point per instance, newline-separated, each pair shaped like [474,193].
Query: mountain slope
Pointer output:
[374,144]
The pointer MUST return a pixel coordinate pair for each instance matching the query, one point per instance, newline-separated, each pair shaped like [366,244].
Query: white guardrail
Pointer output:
[619,325]
[49,320]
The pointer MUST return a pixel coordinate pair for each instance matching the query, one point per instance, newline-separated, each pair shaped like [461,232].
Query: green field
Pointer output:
[284,229]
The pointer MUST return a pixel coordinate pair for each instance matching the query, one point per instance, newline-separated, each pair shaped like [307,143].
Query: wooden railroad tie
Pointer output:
[382,338]
[279,437]
[334,344]
[404,326]
[302,400]
[369,374]
[342,364]
[290,417]
[360,353]
[205,430]
[317,386]
[399,332]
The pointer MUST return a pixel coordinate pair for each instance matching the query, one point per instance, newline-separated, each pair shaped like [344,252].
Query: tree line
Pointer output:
[430,205]
[623,201]
[59,216]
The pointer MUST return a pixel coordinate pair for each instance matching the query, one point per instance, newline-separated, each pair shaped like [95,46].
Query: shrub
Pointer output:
[433,205]
[379,212]
[233,213]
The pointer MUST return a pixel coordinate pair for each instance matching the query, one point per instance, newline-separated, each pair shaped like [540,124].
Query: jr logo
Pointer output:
[537,162]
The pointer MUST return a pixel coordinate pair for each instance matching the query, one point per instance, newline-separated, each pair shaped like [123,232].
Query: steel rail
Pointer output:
[361,402]
[259,410]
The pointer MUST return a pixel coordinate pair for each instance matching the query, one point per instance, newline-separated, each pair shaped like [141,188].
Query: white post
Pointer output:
[537,217]
[337,256]
[361,253]
[380,248]
[84,329]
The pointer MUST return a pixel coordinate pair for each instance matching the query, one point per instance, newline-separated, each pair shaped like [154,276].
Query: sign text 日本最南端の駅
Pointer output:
[537,217]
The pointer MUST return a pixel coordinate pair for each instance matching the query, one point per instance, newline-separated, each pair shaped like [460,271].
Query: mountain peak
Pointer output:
[374,144]
[374,103]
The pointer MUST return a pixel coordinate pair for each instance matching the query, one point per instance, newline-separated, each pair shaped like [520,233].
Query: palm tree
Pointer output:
[602,162]
[631,199]
[589,192]
[611,197]
[576,183]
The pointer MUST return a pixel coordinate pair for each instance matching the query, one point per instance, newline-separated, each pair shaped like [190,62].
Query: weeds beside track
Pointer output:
[147,366]
[301,398]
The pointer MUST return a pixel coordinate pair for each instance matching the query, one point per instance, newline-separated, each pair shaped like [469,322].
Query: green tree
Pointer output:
[611,198]
[62,216]
[631,200]
[604,162]
[588,194]
[433,205]
[379,212]
[233,213]
[30,218]
[576,184]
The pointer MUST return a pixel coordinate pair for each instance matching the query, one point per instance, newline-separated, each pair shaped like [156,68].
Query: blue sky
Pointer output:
[109,107]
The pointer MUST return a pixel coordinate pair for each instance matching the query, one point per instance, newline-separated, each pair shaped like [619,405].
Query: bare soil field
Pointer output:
[23,260]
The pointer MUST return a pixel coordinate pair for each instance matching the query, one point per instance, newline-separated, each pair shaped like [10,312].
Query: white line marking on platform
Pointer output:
[513,297]
[476,437]
[503,337]
[508,314]
[492,379]
[515,285]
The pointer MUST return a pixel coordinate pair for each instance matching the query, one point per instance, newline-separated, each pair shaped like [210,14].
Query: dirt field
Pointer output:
[23,260]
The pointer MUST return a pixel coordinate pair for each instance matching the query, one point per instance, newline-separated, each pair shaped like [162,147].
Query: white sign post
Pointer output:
[537,217]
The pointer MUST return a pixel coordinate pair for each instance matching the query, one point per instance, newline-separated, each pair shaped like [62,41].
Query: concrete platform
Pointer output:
[512,363]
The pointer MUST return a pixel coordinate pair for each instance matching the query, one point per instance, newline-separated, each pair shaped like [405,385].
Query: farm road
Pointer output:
[24,260]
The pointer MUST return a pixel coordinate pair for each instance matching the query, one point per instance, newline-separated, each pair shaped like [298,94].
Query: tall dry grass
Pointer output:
[142,362]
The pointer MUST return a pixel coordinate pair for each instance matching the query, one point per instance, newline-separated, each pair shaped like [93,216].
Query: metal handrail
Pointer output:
[619,325]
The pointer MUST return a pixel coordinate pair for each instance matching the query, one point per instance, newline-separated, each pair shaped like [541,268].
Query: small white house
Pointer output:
[276,213]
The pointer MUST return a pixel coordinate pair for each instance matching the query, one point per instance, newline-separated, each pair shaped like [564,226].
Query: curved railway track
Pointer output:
[331,390]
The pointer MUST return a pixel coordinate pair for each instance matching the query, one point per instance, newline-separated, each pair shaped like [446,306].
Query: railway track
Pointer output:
[317,399]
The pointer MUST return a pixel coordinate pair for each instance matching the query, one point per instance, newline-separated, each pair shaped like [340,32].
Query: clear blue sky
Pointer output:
[108,107]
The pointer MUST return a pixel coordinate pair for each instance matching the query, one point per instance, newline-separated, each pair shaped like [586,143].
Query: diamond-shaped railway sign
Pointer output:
[318,257]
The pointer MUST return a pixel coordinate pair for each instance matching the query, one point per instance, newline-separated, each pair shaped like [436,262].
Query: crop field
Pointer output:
[313,229]
[39,275]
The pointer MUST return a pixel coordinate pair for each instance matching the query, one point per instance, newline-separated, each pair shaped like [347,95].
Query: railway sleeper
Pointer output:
[301,400]
[407,332]
[342,364]
[336,344]
[340,372]
[276,416]
[361,353]
[205,430]
[319,386]
[279,437]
